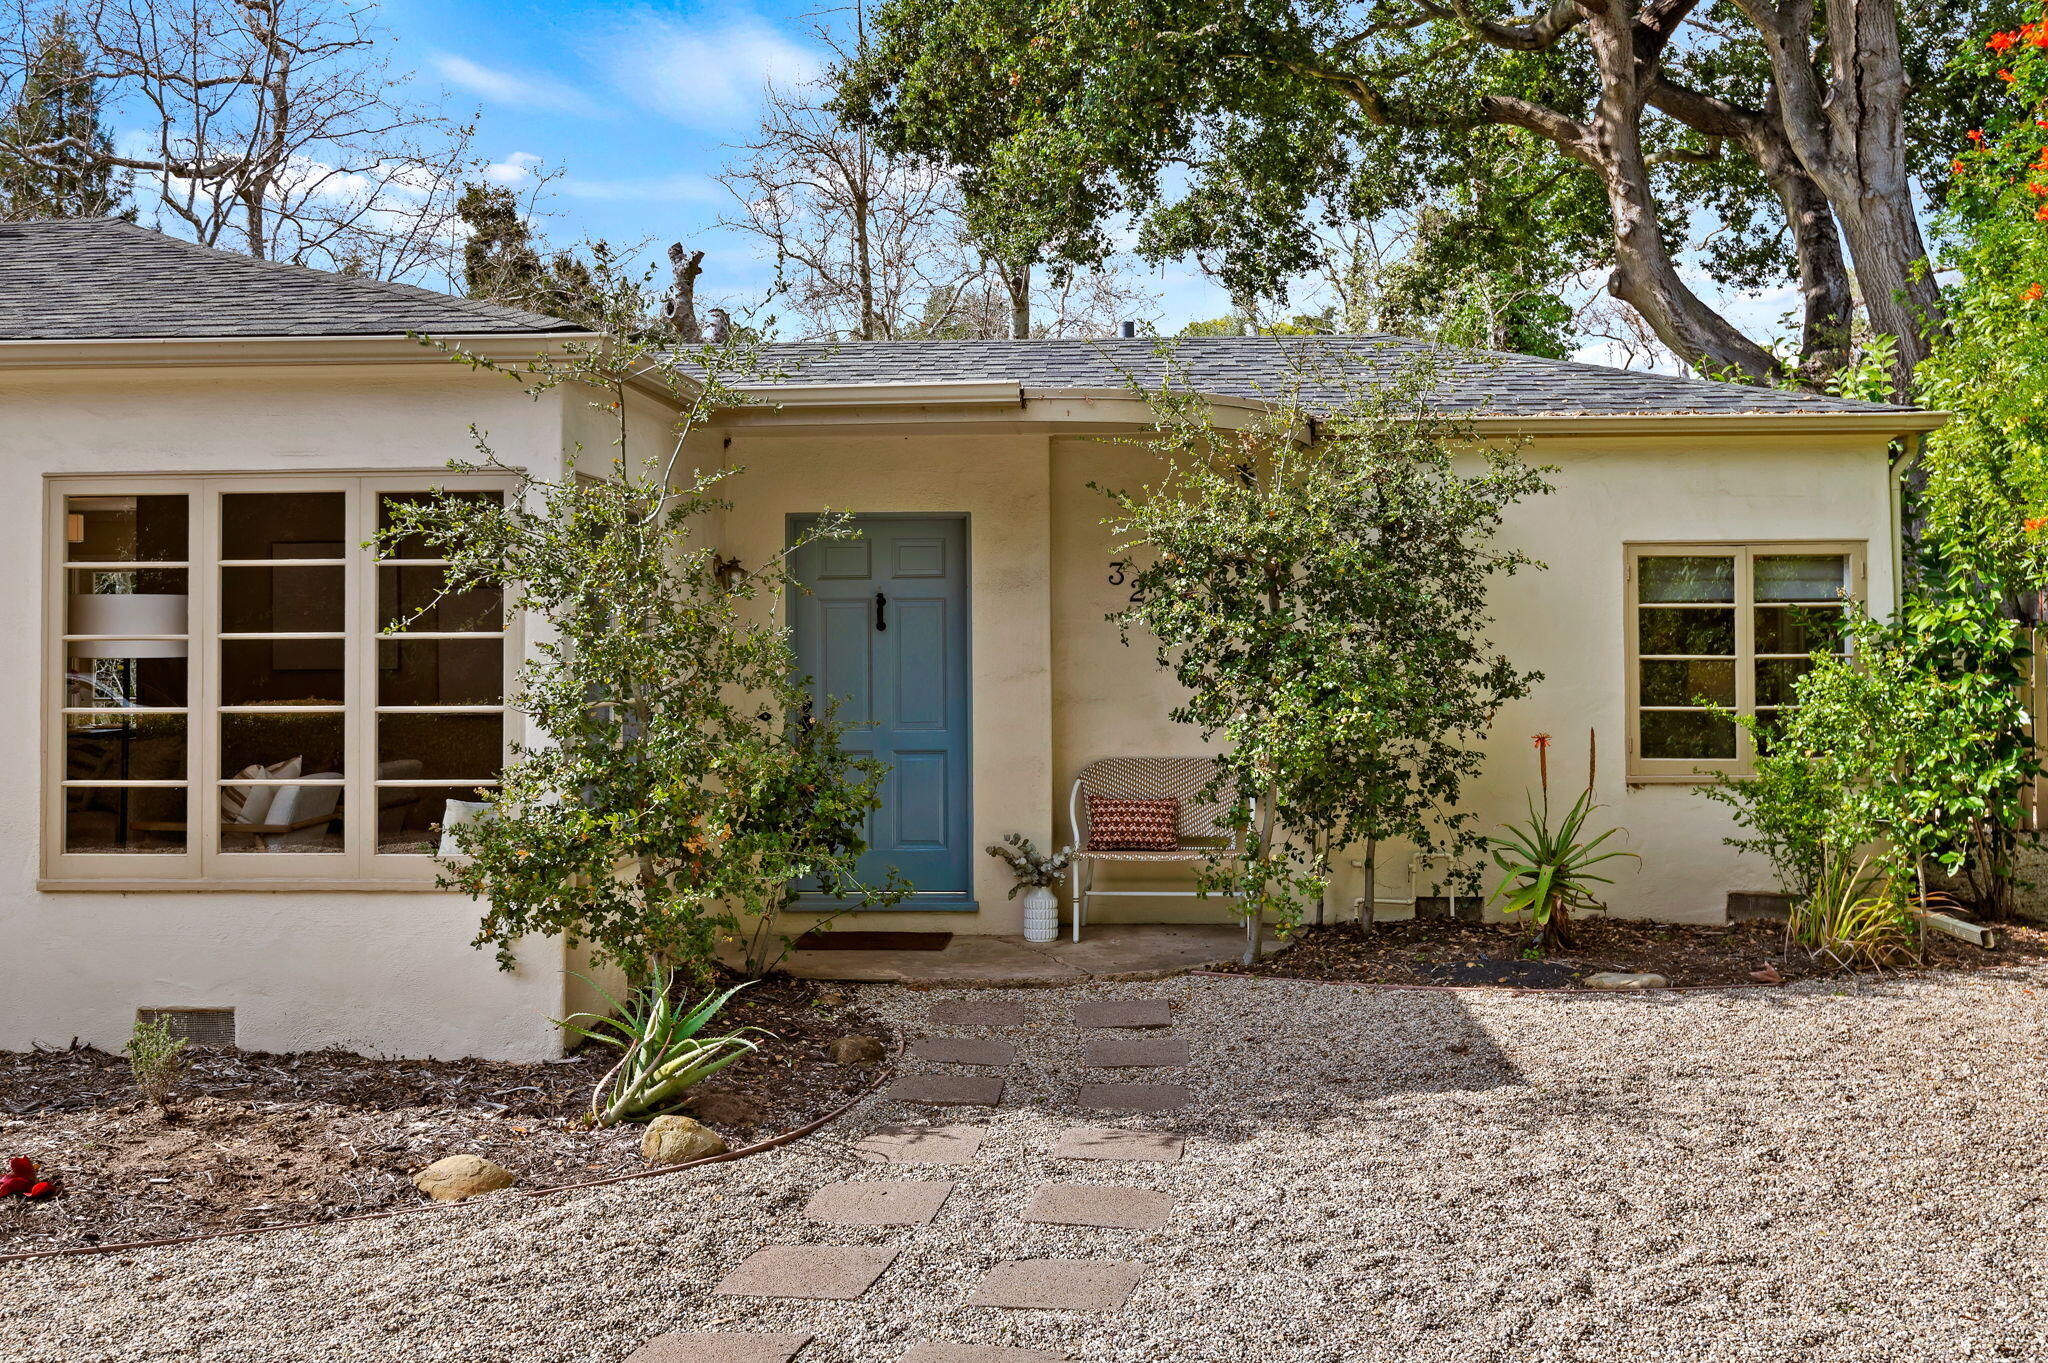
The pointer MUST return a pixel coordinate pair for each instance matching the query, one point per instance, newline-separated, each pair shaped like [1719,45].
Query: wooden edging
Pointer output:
[759,1147]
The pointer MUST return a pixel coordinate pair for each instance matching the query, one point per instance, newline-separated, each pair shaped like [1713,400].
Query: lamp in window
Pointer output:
[111,615]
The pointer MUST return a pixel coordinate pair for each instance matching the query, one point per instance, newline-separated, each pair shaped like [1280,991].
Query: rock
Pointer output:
[674,1140]
[724,1109]
[855,1050]
[832,998]
[1623,979]
[460,1176]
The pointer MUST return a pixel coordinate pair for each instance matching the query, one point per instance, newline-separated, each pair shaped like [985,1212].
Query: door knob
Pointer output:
[881,611]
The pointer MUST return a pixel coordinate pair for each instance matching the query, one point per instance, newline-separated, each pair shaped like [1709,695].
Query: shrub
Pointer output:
[157,1060]
[1854,919]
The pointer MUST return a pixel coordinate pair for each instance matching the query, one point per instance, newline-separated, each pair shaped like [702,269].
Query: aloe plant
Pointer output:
[1547,868]
[662,1055]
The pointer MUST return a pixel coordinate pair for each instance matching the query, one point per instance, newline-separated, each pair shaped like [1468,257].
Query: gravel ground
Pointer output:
[1824,1171]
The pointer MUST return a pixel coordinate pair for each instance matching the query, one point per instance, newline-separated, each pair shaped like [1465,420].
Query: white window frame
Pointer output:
[1699,770]
[202,865]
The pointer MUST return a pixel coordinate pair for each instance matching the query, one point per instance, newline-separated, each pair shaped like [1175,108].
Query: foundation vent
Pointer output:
[209,1028]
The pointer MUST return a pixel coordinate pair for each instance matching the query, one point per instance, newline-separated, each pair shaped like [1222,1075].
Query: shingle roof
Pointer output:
[103,279]
[1325,372]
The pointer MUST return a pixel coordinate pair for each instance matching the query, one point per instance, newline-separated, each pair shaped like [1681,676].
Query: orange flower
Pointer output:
[2034,524]
[1976,135]
[1958,167]
[2000,42]
[2005,76]
[2042,213]
[2032,295]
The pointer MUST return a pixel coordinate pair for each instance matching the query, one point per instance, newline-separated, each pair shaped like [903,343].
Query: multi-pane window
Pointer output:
[249,693]
[1728,626]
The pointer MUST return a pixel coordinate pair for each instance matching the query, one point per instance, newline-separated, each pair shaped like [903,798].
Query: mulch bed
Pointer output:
[262,1139]
[1435,951]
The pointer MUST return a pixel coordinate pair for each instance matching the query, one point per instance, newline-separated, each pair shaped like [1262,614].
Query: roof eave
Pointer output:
[176,352]
[790,406]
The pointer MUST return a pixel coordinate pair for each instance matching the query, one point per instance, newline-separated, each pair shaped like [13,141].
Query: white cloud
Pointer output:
[515,169]
[511,87]
[704,75]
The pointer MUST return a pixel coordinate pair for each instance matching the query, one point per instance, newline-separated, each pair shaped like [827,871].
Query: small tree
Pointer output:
[1319,588]
[680,784]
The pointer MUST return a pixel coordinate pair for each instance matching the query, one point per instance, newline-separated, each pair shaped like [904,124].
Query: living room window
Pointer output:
[247,694]
[1728,625]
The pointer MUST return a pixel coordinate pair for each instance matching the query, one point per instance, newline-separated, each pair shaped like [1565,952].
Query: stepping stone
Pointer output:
[974,1013]
[1059,1284]
[963,1050]
[1134,1097]
[1134,1051]
[718,1346]
[945,1351]
[1096,1204]
[1107,1142]
[882,1202]
[948,1090]
[951,1144]
[1123,1013]
[809,1272]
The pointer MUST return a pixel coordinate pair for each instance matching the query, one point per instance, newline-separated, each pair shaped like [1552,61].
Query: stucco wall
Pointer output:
[999,482]
[378,972]
[1566,621]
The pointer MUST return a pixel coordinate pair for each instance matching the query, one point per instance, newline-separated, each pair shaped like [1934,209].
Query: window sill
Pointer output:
[45,885]
[1698,779]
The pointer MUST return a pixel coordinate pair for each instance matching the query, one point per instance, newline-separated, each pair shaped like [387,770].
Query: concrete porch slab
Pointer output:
[1116,951]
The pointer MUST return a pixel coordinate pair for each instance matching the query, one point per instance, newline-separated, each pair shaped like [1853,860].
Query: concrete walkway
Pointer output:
[1110,952]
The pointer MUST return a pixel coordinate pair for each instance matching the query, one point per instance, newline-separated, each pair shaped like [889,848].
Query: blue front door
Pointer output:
[884,628]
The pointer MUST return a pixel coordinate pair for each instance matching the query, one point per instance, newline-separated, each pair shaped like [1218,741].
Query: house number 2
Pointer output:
[1119,573]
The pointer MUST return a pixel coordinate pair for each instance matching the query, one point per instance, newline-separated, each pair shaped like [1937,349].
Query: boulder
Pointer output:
[1624,979]
[724,1109]
[460,1176]
[676,1140]
[855,1050]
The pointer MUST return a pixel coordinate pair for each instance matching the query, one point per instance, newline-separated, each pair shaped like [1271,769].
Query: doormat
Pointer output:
[873,941]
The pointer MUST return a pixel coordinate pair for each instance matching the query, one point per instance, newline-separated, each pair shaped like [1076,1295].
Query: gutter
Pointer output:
[943,393]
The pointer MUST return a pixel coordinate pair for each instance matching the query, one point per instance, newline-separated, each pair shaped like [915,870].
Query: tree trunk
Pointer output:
[864,267]
[1645,277]
[1017,279]
[1826,300]
[1851,139]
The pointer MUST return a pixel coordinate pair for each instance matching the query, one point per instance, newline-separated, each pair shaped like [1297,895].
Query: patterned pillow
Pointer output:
[1132,825]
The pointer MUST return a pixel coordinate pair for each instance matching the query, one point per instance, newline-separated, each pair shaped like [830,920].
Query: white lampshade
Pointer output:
[127,613]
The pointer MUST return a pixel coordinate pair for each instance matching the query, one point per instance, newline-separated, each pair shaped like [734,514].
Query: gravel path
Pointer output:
[1819,1172]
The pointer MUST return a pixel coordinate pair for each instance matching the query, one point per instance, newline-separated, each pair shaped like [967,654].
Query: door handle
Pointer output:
[881,611]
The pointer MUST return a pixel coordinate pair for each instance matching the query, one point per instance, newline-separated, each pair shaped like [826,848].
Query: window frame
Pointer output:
[1701,770]
[202,865]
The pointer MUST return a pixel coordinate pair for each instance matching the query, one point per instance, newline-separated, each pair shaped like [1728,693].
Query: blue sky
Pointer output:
[636,105]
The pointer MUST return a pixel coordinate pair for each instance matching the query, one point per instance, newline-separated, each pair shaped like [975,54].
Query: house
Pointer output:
[227,791]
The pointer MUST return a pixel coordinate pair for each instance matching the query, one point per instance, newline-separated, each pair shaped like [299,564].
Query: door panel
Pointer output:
[884,629]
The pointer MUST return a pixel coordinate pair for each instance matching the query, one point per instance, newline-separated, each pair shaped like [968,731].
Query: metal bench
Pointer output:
[1201,832]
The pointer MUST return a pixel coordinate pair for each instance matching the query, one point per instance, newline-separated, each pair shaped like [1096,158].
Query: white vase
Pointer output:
[1041,914]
